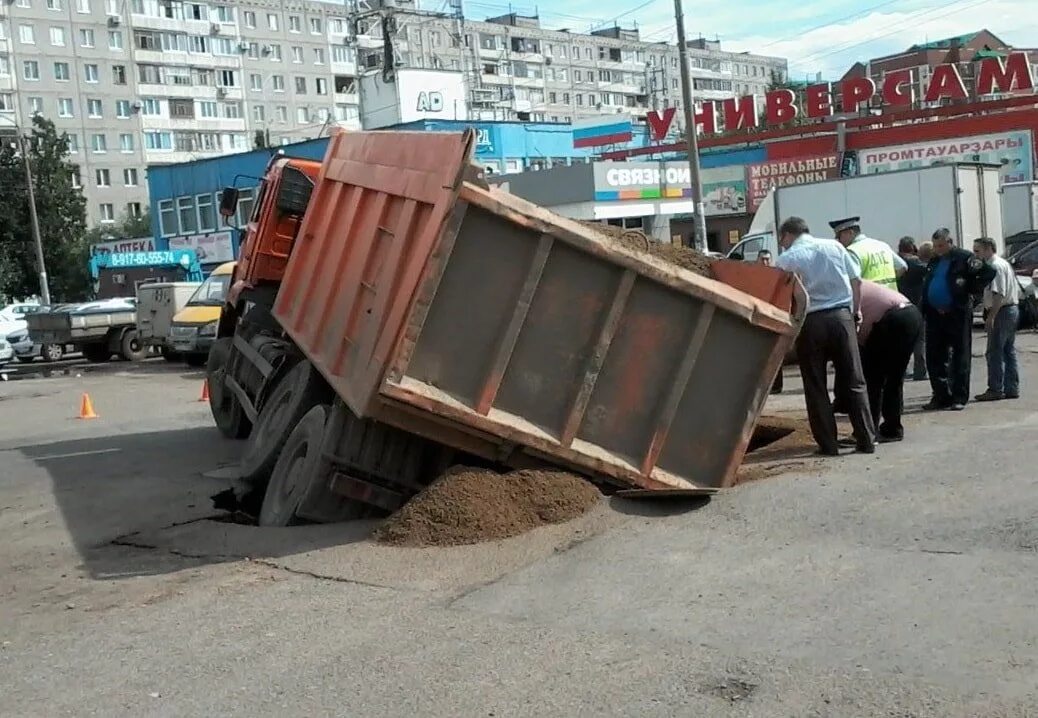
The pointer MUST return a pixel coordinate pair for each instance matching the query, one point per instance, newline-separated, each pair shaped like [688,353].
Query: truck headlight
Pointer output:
[209,330]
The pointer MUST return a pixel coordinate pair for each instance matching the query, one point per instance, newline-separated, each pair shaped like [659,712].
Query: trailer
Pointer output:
[964,197]
[391,315]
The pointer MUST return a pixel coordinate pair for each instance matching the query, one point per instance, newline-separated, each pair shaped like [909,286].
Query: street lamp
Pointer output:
[37,242]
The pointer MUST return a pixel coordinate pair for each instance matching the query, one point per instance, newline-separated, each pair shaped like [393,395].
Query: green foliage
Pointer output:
[61,209]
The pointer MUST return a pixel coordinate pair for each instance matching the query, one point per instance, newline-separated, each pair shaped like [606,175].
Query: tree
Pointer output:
[61,209]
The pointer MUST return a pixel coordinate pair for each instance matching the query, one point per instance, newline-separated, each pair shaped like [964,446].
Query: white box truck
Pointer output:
[157,303]
[963,197]
[1019,207]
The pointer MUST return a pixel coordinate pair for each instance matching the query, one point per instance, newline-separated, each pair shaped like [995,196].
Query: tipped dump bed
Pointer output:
[477,319]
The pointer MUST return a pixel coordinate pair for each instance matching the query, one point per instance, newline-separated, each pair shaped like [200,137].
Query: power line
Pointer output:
[830,23]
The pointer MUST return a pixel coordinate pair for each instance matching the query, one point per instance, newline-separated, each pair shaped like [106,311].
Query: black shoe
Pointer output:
[847,442]
[865,448]
[889,439]
[990,396]
[957,407]
[1012,396]
[935,405]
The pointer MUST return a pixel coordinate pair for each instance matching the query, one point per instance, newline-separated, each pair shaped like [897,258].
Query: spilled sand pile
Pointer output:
[467,505]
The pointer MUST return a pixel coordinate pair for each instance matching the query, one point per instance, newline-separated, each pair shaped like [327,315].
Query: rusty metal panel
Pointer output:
[379,206]
[537,331]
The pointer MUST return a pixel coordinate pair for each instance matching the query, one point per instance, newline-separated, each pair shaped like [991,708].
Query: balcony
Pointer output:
[347,98]
[369,42]
[191,27]
[176,57]
[344,68]
[198,92]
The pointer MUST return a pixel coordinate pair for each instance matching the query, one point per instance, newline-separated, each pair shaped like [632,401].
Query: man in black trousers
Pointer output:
[954,278]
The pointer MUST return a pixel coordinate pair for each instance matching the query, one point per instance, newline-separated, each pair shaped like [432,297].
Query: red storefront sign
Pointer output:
[994,75]
[762,176]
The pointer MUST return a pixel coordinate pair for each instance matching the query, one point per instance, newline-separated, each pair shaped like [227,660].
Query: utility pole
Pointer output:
[692,139]
[41,266]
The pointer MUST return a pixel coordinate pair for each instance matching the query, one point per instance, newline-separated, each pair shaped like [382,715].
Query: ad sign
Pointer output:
[214,248]
[486,140]
[1011,150]
[140,244]
[724,188]
[761,177]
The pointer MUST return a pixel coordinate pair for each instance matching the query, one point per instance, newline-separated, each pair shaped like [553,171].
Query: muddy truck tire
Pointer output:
[298,465]
[227,412]
[131,348]
[296,392]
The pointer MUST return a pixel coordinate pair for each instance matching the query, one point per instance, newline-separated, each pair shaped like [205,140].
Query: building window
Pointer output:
[315,26]
[245,201]
[119,74]
[341,53]
[61,71]
[255,82]
[65,107]
[126,143]
[300,85]
[94,108]
[54,5]
[224,13]
[302,116]
[318,56]
[186,214]
[115,40]
[258,113]
[27,34]
[275,53]
[72,141]
[90,73]
[278,83]
[206,216]
[30,70]
[107,212]
[207,108]
[36,105]
[295,24]
[182,109]
[226,78]
[297,54]
[272,21]
[130,177]
[282,113]
[321,86]
[134,209]
[231,110]
[98,143]
[103,177]
[167,218]
[252,51]
[250,19]
[86,38]
[57,36]
[158,140]
[73,176]
[151,107]
[5,65]
[335,26]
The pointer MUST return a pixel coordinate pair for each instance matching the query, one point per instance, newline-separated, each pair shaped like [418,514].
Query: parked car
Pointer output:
[12,316]
[1024,260]
[1016,242]
[25,350]
[6,352]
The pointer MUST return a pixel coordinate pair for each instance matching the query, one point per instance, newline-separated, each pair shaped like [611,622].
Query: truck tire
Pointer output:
[297,466]
[97,353]
[52,352]
[227,412]
[298,390]
[131,348]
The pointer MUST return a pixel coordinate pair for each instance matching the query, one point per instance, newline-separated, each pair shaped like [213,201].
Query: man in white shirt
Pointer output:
[1001,300]
[832,279]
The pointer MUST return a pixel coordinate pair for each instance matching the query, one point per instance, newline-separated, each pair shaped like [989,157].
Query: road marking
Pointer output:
[76,453]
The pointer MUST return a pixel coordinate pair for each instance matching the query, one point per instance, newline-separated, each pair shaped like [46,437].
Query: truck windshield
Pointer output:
[212,291]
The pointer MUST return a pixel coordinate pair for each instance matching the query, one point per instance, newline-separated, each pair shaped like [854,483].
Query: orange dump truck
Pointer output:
[391,315]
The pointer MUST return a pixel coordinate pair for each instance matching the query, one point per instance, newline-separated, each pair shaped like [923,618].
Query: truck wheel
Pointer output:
[292,397]
[97,352]
[297,466]
[52,352]
[131,347]
[227,412]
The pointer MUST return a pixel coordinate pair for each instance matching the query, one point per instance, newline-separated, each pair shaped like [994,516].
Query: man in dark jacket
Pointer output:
[954,278]
[910,284]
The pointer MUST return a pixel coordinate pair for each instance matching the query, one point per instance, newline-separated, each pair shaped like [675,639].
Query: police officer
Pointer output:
[878,261]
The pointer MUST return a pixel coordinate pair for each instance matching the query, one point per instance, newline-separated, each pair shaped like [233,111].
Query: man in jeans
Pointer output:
[1001,300]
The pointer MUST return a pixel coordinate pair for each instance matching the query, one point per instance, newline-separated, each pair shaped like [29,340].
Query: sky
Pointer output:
[826,36]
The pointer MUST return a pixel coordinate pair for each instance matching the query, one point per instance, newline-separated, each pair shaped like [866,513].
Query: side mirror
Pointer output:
[229,202]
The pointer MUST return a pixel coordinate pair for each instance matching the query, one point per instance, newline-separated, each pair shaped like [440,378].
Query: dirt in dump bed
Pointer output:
[466,506]
[684,257]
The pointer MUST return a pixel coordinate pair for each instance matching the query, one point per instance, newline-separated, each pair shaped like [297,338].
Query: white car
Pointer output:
[6,352]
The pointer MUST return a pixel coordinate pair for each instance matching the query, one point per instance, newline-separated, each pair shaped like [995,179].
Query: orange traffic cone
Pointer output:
[205,390]
[86,408]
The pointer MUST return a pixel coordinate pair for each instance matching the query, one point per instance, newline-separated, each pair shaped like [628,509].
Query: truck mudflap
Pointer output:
[488,324]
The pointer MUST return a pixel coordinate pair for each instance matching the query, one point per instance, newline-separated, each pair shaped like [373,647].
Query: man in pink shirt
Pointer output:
[890,326]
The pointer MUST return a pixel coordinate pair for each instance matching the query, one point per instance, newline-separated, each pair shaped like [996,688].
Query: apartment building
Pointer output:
[140,82]
[518,70]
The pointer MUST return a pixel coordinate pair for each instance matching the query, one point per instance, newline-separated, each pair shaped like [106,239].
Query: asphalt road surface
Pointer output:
[901,584]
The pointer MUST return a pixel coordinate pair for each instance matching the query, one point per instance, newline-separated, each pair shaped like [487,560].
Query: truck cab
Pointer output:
[281,201]
[750,246]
